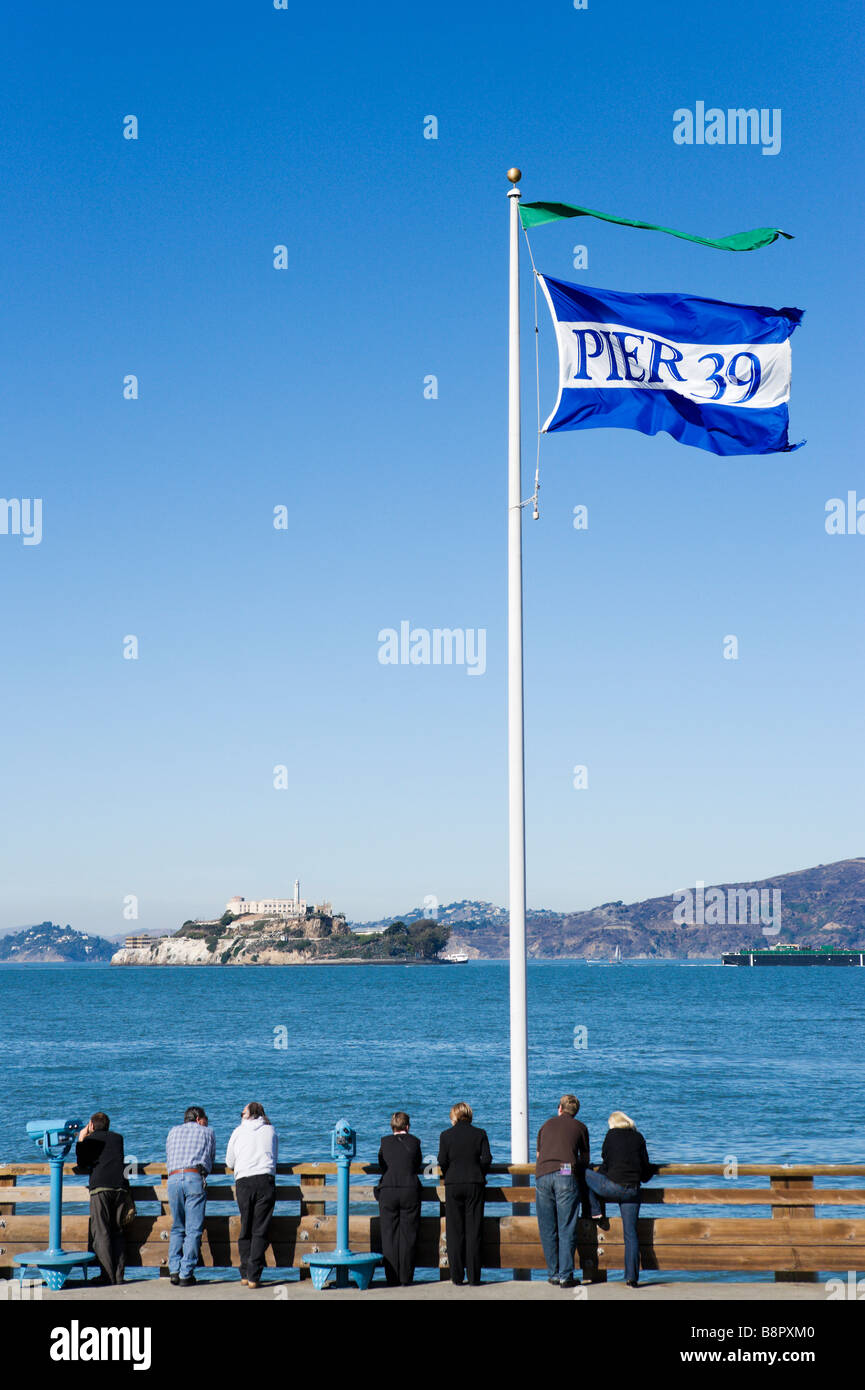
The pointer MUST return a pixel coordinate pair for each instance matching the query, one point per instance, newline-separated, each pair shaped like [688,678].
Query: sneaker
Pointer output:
[569,1282]
[174,1278]
[632,1283]
[552,1279]
[185,1283]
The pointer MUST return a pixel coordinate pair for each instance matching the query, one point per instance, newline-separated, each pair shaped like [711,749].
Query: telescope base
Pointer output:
[341,1266]
[54,1266]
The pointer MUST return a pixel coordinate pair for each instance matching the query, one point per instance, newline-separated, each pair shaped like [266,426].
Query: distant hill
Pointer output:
[49,942]
[824,905]
[468,911]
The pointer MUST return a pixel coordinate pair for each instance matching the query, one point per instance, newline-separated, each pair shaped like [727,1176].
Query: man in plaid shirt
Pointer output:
[189,1153]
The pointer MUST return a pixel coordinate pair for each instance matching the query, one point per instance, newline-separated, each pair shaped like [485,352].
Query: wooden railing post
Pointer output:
[444,1267]
[159,1174]
[794,1186]
[7,1208]
[591,1269]
[308,1208]
[521,1209]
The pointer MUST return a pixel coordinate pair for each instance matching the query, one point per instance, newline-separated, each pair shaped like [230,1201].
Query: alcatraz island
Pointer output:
[285,931]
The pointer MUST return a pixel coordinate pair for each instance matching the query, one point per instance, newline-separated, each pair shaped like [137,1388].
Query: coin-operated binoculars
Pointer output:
[341,1264]
[55,1138]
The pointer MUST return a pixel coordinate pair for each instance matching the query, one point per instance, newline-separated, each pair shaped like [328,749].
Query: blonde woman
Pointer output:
[464,1160]
[624,1165]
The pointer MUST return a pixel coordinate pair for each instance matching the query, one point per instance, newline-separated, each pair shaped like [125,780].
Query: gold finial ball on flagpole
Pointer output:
[515,175]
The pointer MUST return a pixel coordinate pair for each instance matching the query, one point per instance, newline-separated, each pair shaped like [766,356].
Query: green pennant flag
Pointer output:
[535,214]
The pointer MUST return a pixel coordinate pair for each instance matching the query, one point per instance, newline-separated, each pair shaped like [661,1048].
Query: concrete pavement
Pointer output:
[296,1290]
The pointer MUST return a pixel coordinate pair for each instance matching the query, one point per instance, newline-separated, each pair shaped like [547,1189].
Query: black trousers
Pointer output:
[399,1217]
[106,1236]
[464,1215]
[255,1198]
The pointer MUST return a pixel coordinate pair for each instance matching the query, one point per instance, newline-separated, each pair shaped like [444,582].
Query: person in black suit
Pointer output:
[399,1195]
[464,1160]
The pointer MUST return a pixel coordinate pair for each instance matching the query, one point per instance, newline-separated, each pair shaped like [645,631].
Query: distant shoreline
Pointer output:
[344,960]
[250,964]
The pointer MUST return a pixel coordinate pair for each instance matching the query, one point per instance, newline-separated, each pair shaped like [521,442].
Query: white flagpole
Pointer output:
[516,756]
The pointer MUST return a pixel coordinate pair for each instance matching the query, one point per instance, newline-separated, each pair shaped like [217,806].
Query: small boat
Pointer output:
[615,959]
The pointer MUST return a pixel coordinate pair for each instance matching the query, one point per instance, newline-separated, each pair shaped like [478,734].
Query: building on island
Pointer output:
[291,908]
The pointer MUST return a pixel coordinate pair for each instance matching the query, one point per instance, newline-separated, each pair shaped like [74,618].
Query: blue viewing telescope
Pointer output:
[343,1140]
[55,1138]
[342,1264]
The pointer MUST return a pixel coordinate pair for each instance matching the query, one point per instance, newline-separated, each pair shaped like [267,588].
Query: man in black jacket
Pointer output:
[99,1152]
[464,1160]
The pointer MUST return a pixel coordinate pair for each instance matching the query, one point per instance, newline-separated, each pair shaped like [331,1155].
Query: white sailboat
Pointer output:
[615,958]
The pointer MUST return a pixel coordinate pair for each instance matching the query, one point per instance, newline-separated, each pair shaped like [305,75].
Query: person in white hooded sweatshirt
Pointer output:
[251,1152]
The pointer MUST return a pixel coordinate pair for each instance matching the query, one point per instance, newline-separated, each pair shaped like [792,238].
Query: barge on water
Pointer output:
[783,954]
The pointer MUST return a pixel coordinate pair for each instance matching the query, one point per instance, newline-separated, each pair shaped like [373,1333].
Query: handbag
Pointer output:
[128,1214]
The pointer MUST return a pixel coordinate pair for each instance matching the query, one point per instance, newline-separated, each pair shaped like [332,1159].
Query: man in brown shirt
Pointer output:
[562,1157]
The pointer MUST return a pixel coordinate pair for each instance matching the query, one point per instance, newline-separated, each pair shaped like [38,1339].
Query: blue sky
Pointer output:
[304,388]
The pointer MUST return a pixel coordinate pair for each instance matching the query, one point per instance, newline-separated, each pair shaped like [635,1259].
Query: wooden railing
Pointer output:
[791,1241]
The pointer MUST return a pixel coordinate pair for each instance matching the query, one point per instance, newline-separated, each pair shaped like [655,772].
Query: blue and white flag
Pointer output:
[711,374]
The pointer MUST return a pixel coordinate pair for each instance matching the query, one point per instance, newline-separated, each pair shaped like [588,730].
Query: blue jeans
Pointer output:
[186,1197]
[628,1198]
[557,1203]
